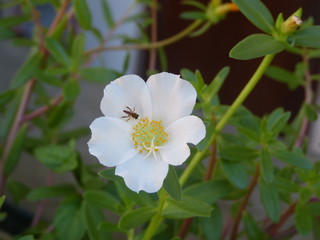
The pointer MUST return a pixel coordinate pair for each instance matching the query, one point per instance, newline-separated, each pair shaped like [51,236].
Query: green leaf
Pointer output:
[277,120]
[307,37]
[109,174]
[236,173]
[71,89]
[257,13]
[237,153]
[77,50]
[193,15]
[15,151]
[266,165]
[187,207]
[172,185]
[295,157]
[99,75]
[314,208]
[92,217]
[27,237]
[216,84]
[256,45]
[102,199]
[107,13]
[27,70]
[57,51]
[58,158]
[2,198]
[311,112]
[210,191]
[284,76]
[136,217]
[52,191]
[253,230]
[210,232]
[6,96]
[18,190]
[303,219]
[68,221]
[83,14]
[270,200]
[109,227]
[13,21]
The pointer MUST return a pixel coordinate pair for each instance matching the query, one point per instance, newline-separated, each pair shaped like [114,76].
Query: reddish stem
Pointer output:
[43,109]
[244,204]
[154,36]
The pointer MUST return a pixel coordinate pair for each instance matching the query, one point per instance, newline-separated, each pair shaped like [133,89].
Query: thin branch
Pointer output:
[15,127]
[162,43]
[58,17]
[236,223]
[273,229]
[43,109]
[154,36]
[308,92]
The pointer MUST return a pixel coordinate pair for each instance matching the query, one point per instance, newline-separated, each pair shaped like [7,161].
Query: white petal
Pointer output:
[111,141]
[141,173]
[127,91]
[189,129]
[172,97]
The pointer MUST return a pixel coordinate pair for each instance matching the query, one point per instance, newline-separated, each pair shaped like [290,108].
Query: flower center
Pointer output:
[148,136]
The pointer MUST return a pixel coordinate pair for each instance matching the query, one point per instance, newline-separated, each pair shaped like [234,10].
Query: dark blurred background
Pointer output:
[209,53]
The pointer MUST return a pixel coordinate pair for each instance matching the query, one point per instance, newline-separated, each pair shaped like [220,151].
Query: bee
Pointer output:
[130,114]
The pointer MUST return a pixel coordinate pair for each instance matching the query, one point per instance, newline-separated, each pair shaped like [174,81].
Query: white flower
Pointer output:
[146,126]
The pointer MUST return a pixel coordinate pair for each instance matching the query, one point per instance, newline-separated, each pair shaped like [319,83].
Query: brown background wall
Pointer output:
[209,53]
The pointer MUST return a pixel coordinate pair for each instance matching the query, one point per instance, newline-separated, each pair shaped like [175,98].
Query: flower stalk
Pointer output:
[224,120]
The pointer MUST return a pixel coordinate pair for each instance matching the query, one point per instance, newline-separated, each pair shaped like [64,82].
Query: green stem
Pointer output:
[151,45]
[157,218]
[224,120]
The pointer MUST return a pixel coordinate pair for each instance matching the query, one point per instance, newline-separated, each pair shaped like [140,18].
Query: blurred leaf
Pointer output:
[277,120]
[71,89]
[102,199]
[195,4]
[285,185]
[77,50]
[237,153]
[68,221]
[270,200]
[18,191]
[27,70]
[109,174]
[193,15]
[303,219]
[136,217]
[59,114]
[210,191]
[58,158]
[311,112]
[27,237]
[212,226]
[253,230]
[214,87]
[172,185]
[13,21]
[314,208]
[99,75]
[187,207]
[83,14]
[307,37]
[57,51]
[256,45]
[51,191]
[304,194]
[294,157]
[109,227]
[257,13]
[15,151]
[107,13]
[2,199]
[92,218]
[236,173]
[284,76]
[266,165]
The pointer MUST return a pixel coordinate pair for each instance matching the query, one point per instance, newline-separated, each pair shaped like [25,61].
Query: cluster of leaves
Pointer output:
[264,149]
